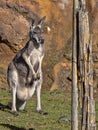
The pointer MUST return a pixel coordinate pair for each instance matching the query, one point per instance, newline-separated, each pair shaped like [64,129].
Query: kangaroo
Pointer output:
[24,73]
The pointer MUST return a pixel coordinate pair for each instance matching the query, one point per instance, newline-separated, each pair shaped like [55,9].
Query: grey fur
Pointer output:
[24,72]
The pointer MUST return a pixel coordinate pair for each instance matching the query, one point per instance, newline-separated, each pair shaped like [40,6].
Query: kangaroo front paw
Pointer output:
[37,76]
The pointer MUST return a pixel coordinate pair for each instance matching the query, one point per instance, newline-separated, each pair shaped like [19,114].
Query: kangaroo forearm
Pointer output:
[28,63]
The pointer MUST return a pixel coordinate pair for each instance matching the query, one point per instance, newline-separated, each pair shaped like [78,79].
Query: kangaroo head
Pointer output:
[36,31]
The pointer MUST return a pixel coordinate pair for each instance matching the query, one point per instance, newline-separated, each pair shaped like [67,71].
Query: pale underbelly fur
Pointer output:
[24,93]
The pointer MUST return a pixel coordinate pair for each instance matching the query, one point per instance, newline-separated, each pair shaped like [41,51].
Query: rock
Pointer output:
[61,72]
[64,119]
[13,29]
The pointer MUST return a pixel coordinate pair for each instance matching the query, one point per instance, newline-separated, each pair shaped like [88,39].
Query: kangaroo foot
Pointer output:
[15,113]
[42,112]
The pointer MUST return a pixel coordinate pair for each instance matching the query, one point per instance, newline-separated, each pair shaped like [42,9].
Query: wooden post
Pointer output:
[91,101]
[82,69]
[83,45]
[86,70]
[74,114]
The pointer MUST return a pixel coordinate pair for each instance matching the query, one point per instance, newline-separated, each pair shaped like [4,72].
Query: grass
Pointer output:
[96,107]
[57,104]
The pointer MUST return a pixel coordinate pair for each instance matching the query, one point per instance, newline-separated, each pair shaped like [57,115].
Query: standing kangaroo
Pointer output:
[24,73]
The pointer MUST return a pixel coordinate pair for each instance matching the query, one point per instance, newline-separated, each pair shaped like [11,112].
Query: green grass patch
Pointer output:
[57,104]
[96,107]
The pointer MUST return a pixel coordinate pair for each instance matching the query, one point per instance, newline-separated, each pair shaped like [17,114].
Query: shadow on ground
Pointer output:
[11,127]
[3,107]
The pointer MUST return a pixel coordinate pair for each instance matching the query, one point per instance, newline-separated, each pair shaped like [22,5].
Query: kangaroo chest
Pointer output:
[36,55]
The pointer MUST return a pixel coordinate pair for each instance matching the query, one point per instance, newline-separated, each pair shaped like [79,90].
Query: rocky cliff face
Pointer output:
[15,18]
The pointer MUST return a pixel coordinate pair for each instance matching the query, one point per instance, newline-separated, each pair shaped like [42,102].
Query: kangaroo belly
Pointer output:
[24,93]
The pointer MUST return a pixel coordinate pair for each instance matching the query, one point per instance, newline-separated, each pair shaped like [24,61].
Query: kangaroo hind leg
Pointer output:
[13,84]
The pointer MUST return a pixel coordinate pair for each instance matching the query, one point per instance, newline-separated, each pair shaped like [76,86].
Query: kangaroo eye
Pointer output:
[37,30]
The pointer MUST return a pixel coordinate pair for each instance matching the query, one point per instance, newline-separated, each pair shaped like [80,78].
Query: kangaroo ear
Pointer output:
[42,21]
